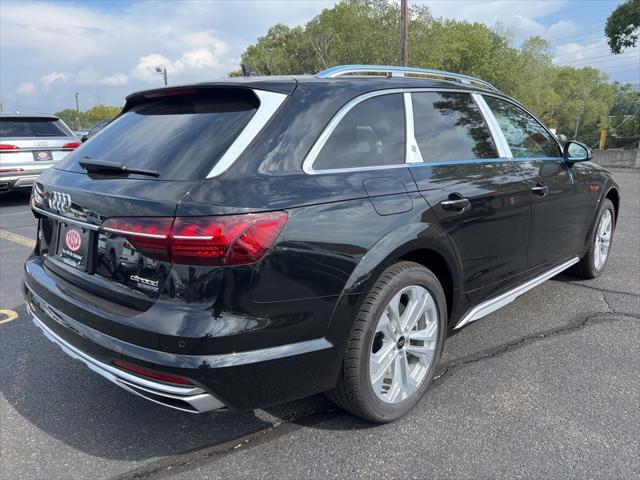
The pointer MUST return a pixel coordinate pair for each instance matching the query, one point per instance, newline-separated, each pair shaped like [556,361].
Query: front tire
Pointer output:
[395,344]
[594,261]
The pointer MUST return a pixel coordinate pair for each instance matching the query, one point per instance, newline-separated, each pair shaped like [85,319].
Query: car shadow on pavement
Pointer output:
[15,198]
[67,401]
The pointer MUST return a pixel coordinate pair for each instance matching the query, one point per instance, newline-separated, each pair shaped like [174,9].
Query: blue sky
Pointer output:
[106,49]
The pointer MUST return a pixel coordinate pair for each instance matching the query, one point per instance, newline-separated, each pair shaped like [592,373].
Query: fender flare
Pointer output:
[608,186]
[397,243]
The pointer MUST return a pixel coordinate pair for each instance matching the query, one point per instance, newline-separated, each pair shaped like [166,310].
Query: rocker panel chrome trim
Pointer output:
[493,304]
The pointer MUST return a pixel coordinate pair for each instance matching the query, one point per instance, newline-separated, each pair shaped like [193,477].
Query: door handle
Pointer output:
[456,203]
[540,189]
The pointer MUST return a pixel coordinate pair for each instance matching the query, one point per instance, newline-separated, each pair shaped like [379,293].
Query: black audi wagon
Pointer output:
[256,240]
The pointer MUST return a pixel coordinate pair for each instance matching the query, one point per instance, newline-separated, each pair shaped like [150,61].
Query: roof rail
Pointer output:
[398,71]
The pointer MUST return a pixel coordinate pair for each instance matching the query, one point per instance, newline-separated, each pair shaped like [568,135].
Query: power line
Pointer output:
[600,58]
[624,71]
[591,47]
[578,34]
[577,38]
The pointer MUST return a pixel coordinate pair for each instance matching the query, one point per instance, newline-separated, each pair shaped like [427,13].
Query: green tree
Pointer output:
[101,112]
[623,26]
[367,32]
[68,116]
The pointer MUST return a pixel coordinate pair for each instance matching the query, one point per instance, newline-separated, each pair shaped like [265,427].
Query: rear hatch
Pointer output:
[107,208]
[34,140]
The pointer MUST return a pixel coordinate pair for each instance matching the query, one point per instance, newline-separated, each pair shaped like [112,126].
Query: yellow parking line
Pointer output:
[14,237]
[9,314]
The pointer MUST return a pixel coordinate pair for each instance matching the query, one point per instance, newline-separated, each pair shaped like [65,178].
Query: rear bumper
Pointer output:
[188,399]
[17,181]
[235,379]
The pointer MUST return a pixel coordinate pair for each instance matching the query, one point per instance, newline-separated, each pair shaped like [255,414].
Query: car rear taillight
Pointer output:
[145,372]
[11,170]
[224,240]
[72,145]
[5,147]
[149,235]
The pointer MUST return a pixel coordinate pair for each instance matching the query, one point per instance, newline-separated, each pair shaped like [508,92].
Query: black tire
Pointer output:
[353,391]
[586,268]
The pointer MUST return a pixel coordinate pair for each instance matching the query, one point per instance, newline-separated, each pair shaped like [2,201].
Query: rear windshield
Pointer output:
[181,137]
[33,127]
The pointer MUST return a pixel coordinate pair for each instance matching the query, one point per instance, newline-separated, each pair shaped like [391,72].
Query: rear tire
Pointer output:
[390,357]
[594,261]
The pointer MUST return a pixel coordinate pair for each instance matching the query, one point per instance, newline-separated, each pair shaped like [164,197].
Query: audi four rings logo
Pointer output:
[60,201]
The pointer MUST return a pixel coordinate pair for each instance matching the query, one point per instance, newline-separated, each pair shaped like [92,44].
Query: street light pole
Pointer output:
[77,113]
[163,71]
[404,33]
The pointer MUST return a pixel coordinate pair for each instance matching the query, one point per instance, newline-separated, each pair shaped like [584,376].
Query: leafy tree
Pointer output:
[68,116]
[89,117]
[623,26]
[367,31]
[101,112]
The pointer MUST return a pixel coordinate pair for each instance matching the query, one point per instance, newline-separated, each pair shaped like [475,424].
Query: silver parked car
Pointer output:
[29,144]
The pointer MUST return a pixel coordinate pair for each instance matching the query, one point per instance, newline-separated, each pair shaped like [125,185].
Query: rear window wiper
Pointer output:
[99,166]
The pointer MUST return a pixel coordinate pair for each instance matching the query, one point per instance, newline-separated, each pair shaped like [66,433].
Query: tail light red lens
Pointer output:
[11,170]
[72,145]
[148,235]
[225,240]
[8,148]
[145,372]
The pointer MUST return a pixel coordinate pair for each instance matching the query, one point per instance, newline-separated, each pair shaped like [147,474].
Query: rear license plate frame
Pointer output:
[74,249]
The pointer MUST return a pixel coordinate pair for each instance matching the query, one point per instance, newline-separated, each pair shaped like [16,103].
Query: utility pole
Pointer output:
[404,32]
[580,112]
[163,71]
[77,113]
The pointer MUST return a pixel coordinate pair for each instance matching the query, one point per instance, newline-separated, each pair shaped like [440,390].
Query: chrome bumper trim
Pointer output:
[62,218]
[493,304]
[195,399]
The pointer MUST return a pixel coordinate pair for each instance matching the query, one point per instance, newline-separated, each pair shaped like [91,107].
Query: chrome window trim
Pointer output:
[518,104]
[496,132]
[270,102]
[307,164]
[62,218]
[493,304]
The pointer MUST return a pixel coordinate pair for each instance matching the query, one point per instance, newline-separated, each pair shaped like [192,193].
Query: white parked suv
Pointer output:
[29,144]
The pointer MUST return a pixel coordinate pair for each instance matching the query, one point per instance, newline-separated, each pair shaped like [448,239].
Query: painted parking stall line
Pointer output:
[19,239]
[7,315]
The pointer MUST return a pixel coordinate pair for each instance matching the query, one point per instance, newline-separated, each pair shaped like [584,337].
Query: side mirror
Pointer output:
[577,152]
[83,138]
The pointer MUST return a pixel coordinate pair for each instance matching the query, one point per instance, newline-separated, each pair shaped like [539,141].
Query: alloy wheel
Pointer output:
[603,239]
[404,344]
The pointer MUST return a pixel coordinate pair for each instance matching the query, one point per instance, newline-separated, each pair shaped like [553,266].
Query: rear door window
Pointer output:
[448,126]
[33,127]
[181,137]
[371,134]
[525,135]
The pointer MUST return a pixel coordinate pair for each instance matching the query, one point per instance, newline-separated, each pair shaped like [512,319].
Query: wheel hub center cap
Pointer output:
[401,342]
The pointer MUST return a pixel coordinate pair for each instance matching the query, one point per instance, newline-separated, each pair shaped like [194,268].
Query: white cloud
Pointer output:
[598,55]
[53,77]
[211,59]
[115,79]
[26,89]
[145,70]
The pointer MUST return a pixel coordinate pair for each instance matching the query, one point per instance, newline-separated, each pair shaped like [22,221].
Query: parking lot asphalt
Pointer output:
[547,387]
